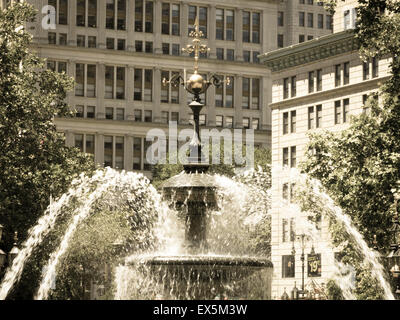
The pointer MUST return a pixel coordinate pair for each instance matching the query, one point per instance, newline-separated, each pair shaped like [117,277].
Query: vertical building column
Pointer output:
[128,152]
[100,83]
[265,100]
[212,31]
[71,72]
[156,95]
[71,23]
[99,149]
[184,24]
[69,138]
[239,34]
[238,85]
[130,26]
[130,77]
[183,108]
[211,106]
[101,24]
[157,27]
[289,20]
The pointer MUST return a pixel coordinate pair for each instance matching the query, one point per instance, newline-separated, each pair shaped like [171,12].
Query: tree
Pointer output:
[360,166]
[34,160]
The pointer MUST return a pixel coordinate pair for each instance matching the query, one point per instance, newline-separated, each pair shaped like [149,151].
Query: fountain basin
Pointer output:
[206,276]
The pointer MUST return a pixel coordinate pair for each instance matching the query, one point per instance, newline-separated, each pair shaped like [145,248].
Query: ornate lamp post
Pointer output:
[196,85]
[394,254]
[303,237]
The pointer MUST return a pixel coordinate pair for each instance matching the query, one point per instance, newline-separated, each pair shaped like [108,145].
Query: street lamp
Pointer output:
[394,254]
[195,85]
[303,237]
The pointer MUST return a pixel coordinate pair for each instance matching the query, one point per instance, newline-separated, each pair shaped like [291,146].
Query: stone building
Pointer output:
[316,85]
[119,51]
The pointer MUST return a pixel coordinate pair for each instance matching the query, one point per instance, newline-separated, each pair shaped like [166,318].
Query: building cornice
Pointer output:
[310,51]
[330,94]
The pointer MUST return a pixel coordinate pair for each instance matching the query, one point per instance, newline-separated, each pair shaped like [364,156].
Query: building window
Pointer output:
[144,16]
[346,104]
[61,7]
[85,74]
[220,24]
[219,121]
[293,157]
[175,117]
[79,111]
[285,88]
[109,113]
[338,112]
[62,39]
[108,151]
[319,80]
[120,114]
[88,18]
[280,41]
[329,22]
[288,267]
[251,27]
[320,21]
[92,42]
[293,121]
[255,123]
[137,153]
[224,93]
[246,55]
[170,13]
[246,93]
[246,123]
[52,38]
[110,43]
[118,19]
[169,92]
[301,38]
[229,122]
[121,44]
[285,125]
[310,38]
[165,48]
[149,47]
[164,116]
[285,231]
[285,159]
[338,76]
[230,25]
[293,90]
[366,70]
[143,84]
[375,67]
[255,57]
[301,19]
[112,86]
[138,115]
[311,117]
[230,54]
[255,99]
[176,50]
[203,17]
[346,73]
[90,112]
[148,116]
[311,82]
[318,123]
[220,53]
[280,19]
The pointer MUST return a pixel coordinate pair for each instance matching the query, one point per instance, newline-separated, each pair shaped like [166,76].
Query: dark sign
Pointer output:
[314,265]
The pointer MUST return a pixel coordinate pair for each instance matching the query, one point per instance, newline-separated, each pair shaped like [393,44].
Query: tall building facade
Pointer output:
[119,51]
[317,85]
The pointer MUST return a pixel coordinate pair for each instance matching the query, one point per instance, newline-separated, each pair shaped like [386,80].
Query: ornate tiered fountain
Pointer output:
[197,274]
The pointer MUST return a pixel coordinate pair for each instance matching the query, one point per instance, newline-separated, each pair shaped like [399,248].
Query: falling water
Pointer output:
[371,257]
[114,186]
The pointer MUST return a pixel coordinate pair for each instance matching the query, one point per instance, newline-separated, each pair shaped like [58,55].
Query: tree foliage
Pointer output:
[360,166]
[34,161]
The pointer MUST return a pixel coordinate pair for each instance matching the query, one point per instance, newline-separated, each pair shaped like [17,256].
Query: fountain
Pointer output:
[196,274]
